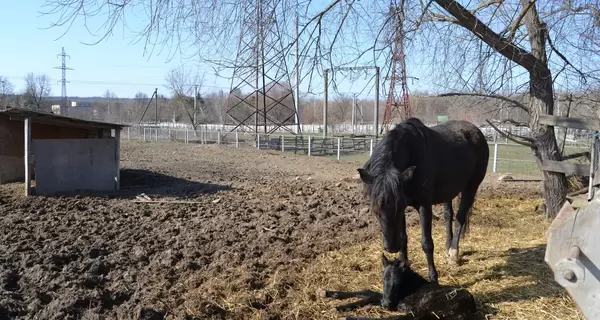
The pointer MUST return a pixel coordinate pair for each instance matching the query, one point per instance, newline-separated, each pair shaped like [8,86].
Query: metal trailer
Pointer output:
[573,245]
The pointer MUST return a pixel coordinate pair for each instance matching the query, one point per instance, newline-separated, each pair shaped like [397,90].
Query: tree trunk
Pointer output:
[541,92]
[541,101]
[545,146]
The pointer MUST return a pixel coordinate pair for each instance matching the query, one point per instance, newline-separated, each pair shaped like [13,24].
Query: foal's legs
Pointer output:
[448,217]
[467,198]
[425,215]
[366,297]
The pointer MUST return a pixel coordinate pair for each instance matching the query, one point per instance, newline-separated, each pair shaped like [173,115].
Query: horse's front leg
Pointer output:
[367,297]
[426,216]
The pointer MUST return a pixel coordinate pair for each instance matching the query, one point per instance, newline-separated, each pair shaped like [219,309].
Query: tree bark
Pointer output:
[541,101]
[540,88]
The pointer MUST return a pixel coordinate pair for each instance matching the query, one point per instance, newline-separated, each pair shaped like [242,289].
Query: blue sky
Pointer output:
[116,64]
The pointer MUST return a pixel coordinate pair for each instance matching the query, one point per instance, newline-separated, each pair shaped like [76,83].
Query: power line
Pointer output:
[64,108]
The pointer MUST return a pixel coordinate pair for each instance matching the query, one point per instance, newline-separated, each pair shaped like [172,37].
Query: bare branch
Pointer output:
[517,23]
[494,96]
[514,123]
[513,137]
[487,35]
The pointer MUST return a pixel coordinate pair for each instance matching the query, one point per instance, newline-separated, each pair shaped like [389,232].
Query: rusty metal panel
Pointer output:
[573,253]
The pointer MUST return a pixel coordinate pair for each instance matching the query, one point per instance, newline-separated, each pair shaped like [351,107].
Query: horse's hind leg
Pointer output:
[448,217]
[467,198]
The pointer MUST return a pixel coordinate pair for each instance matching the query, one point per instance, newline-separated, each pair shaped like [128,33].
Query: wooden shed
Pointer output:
[67,155]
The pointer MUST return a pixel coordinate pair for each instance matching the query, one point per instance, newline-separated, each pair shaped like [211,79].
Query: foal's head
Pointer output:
[399,281]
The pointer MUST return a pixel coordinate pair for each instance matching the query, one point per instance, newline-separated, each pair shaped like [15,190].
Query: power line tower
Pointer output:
[260,66]
[64,107]
[398,106]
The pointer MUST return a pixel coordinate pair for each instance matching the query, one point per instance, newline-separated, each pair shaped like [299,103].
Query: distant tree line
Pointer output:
[212,107]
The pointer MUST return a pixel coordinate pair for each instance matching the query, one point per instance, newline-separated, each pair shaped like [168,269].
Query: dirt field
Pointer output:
[262,234]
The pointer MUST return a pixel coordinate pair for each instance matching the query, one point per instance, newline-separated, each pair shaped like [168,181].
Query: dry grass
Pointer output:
[503,267]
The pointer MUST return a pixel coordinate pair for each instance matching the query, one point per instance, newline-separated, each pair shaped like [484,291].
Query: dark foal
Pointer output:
[418,166]
[406,291]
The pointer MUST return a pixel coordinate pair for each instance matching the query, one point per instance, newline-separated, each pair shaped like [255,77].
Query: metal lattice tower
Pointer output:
[397,107]
[260,65]
[64,107]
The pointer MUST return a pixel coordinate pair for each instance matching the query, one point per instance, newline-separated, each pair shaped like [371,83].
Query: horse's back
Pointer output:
[461,154]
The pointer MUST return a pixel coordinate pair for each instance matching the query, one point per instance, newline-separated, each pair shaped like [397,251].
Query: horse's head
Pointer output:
[388,202]
[395,276]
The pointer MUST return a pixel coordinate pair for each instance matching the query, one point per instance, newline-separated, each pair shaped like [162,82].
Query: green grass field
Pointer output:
[513,159]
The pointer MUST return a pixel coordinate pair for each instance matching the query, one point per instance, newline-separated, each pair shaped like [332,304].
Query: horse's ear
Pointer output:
[365,176]
[407,174]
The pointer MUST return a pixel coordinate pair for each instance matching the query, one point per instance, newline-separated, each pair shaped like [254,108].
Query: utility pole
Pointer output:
[64,109]
[195,119]
[297,95]
[325,102]
[156,108]
[353,112]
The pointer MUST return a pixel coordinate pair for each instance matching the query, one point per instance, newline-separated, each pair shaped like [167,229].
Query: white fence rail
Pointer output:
[505,157]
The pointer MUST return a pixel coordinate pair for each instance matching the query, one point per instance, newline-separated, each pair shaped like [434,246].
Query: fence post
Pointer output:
[309,138]
[282,143]
[218,137]
[495,165]
[128,133]
[237,141]
[144,130]
[258,141]
[187,136]
[371,148]
[156,134]
[338,148]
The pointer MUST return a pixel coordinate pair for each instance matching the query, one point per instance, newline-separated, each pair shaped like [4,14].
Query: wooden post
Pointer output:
[237,140]
[118,158]
[325,104]
[376,105]
[309,145]
[338,148]
[282,143]
[27,156]
[495,165]
[371,148]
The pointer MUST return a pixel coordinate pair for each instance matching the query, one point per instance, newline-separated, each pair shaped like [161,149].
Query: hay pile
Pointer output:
[503,267]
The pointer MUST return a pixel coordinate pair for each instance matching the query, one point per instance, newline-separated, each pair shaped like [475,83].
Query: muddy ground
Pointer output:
[252,220]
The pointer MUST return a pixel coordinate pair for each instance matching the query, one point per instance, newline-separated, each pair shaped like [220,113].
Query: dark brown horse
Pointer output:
[417,166]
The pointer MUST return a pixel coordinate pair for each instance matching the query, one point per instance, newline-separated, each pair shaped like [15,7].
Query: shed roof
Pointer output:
[57,120]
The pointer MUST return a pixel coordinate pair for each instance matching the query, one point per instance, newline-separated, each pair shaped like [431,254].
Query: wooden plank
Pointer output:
[118,158]
[27,155]
[567,168]
[574,123]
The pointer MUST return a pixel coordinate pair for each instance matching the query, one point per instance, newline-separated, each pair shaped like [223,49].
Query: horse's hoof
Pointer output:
[453,256]
[321,293]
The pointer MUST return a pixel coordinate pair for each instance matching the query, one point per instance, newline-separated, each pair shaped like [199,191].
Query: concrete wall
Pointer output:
[71,165]
[12,167]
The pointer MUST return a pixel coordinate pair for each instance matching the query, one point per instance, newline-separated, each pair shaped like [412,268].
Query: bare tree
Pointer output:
[181,82]
[6,89]
[494,49]
[37,88]
[112,107]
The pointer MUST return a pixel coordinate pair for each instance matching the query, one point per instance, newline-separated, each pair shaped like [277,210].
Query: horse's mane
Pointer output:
[381,163]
